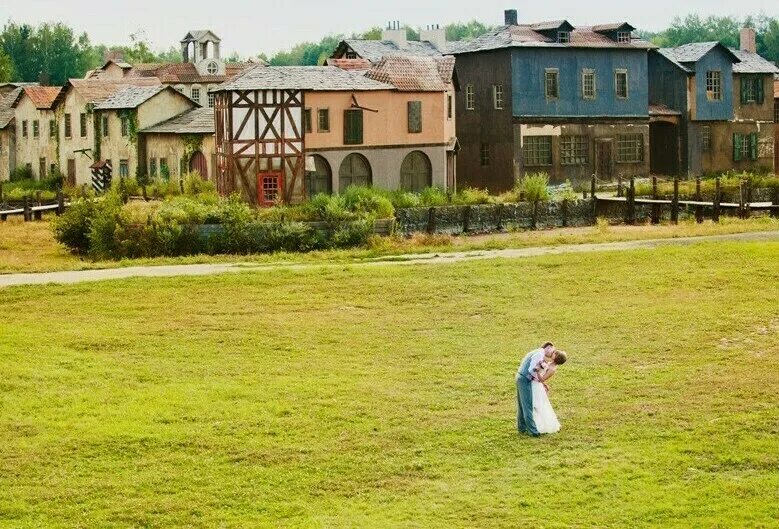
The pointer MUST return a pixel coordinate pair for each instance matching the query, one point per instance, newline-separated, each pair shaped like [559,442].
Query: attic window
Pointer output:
[212,68]
[563,37]
[624,37]
[351,55]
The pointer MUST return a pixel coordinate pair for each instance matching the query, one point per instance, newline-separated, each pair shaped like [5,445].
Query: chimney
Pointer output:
[435,35]
[749,40]
[395,33]
[510,17]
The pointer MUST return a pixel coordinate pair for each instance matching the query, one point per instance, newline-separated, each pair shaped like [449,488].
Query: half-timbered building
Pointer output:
[285,133]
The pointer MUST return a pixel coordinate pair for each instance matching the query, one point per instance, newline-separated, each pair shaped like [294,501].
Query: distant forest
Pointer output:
[55,52]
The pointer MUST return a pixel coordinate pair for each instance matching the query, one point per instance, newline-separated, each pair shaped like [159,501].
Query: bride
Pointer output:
[543,414]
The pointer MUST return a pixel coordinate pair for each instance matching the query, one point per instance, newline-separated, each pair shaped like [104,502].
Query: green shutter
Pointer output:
[737,147]
[753,145]
[760,96]
[352,127]
[744,87]
[414,116]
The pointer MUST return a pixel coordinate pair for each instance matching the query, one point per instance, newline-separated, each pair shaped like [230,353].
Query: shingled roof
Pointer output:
[317,78]
[530,35]
[195,121]
[753,63]
[132,97]
[6,107]
[98,90]
[349,64]
[183,72]
[688,54]
[410,73]
[42,97]
[374,50]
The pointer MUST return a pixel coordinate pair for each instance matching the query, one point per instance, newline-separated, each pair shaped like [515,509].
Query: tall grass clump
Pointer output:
[535,189]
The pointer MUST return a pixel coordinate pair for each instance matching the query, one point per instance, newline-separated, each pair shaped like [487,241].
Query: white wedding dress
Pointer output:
[543,414]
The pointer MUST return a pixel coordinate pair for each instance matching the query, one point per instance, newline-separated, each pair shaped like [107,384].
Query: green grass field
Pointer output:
[384,397]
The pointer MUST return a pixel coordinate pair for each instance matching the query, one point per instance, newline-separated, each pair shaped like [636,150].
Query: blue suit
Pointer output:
[524,381]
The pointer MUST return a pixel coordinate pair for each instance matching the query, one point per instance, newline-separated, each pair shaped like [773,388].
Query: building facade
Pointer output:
[549,97]
[8,133]
[725,111]
[291,132]
[36,129]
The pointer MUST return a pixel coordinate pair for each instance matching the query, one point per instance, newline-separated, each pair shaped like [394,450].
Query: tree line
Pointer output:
[54,52]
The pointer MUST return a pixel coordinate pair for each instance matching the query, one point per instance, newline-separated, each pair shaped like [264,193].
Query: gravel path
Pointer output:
[83,276]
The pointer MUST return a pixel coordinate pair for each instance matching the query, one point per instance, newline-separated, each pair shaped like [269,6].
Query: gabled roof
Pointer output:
[532,35]
[200,34]
[374,50]
[95,91]
[184,72]
[121,64]
[195,121]
[688,54]
[134,96]
[317,78]
[6,107]
[552,25]
[413,74]
[610,28]
[349,64]
[42,97]
[753,63]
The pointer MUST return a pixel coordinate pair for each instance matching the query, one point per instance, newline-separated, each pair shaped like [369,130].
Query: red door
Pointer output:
[197,164]
[269,188]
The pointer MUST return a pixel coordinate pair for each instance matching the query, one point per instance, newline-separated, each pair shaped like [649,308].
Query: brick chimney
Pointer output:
[510,17]
[749,40]
[395,33]
[435,34]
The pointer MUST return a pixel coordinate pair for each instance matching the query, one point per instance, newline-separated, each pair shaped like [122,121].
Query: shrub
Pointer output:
[535,187]
[103,227]
[72,228]
[195,185]
[433,196]
[565,193]
[352,234]
[327,208]
[366,201]
[404,199]
[22,172]
[470,196]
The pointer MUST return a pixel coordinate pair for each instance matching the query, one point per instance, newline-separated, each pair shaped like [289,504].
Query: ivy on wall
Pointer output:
[192,144]
[132,124]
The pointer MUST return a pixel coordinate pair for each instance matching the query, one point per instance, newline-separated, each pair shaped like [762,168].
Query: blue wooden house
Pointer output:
[554,98]
[711,109]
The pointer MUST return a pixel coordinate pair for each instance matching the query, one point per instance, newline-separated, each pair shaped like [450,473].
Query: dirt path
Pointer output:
[83,276]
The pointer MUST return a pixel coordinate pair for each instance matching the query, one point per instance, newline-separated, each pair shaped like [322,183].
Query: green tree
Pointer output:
[16,41]
[6,67]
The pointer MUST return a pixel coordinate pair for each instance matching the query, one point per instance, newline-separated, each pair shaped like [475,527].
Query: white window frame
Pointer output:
[624,37]
[497,96]
[714,85]
[211,99]
[470,97]
[564,37]
[591,73]
[195,94]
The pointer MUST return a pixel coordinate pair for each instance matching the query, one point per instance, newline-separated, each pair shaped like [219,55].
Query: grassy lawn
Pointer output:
[30,247]
[383,397]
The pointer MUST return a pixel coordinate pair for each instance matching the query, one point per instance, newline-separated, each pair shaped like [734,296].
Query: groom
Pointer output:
[524,380]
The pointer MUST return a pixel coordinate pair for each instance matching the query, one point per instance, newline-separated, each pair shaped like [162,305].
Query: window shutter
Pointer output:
[744,87]
[760,96]
[753,145]
[358,126]
[352,127]
[736,147]
[414,116]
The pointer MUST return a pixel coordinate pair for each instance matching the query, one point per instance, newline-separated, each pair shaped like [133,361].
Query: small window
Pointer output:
[68,127]
[196,95]
[714,85]
[36,129]
[624,37]
[124,168]
[630,148]
[470,97]
[323,120]
[706,138]
[164,169]
[211,100]
[307,124]
[538,150]
[104,126]
[42,168]
[588,84]
[745,147]
[414,109]
[552,83]
[351,55]
[83,125]
[484,154]
[125,122]
[563,37]
[574,150]
[621,83]
[52,128]
[353,123]
[752,90]
[153,167]
[212,68]
[497,96]
[24,128]
[449,106]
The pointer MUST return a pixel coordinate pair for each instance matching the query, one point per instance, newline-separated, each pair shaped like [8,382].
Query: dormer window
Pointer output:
[351,55]
[563,37]
[624,37]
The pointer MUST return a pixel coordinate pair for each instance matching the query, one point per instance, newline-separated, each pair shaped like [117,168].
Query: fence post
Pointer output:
[775,203]
[499,212]
[27,212]
[619,186]
[467,219]
[747,200]
[655,207]
[1,191]
[60,203]
[593,189]
[717,200]
[675,202]
[38,214]
[431,221]
[564,211]
[699,198]
[631,202]
[741,200]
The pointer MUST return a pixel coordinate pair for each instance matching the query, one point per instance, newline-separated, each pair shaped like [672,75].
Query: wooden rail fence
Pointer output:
[34,209]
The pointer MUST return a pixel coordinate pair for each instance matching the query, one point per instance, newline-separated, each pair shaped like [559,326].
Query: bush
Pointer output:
[404,199]
[22,172]
[103,226]
[327,208]
[366,201]
[433,196]
[535,187]
[352,234]
[195,185]
[72,228]
[565,193]
[471,196]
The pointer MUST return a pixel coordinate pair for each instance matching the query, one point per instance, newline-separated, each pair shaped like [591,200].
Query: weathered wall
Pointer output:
[161,107]
[528,65]
[7,152]
[705,110]
[116,147]
[720,158]
[667,83]
[173,148]
[485,124]
[385,164]
[387,127]
[754,111]
[74,105]
[30,150]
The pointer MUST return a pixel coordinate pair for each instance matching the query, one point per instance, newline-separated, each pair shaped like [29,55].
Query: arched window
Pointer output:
[355,170]
[320,180]
[416,172]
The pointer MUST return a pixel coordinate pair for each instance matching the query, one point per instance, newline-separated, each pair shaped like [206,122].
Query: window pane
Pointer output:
[630,148]
[551,85]
[574,150]
[414,116]
[538,150]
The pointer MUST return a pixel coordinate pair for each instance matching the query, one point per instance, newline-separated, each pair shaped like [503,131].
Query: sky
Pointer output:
[251,27]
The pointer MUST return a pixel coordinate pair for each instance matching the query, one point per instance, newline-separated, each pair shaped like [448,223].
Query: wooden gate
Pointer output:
[198,164]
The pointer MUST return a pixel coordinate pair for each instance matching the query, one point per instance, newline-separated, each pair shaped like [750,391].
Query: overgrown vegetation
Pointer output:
[729,185]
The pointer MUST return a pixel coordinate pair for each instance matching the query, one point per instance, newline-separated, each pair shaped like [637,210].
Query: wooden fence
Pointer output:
[31,209]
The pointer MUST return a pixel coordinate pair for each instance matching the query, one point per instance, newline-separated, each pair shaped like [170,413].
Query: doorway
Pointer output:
[604,160]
